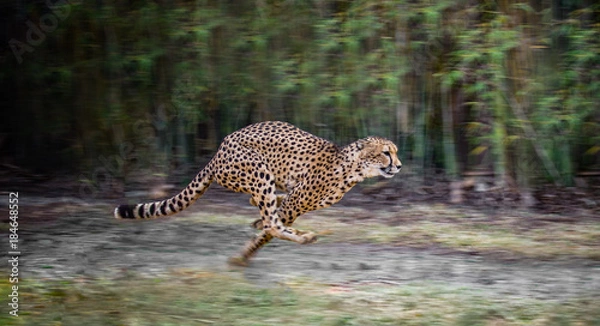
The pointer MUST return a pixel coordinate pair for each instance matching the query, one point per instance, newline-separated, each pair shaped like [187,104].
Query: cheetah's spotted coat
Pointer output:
[268,156]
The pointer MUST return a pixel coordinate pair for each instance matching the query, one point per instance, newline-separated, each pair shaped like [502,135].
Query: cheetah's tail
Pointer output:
[170,206]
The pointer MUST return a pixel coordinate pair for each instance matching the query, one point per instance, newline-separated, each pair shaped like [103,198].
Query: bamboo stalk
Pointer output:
[531,134]
[448,134]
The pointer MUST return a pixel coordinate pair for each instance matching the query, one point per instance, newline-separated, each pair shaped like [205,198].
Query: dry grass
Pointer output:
[517,234]
[191,297]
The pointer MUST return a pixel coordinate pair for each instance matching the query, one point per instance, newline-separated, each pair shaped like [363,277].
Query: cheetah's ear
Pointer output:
[361,143]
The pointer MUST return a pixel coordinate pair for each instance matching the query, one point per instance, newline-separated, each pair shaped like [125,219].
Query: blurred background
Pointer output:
[504,89]
[493,104]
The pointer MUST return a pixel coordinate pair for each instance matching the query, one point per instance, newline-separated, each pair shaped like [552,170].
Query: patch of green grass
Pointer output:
[198,298]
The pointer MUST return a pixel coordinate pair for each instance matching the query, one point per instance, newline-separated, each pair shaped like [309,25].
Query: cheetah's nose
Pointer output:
[399,167]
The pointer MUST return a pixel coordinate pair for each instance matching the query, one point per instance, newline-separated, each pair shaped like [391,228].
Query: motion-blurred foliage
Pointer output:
[511,87]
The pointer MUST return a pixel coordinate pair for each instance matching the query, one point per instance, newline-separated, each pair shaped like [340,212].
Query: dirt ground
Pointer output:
[66,238]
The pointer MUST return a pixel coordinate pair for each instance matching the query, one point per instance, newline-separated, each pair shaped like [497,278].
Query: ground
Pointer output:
[387,258]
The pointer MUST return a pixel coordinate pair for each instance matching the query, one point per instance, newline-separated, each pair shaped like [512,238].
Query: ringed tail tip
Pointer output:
[124,211]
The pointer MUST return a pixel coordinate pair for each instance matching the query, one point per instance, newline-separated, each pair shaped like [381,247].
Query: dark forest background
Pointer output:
[509,89]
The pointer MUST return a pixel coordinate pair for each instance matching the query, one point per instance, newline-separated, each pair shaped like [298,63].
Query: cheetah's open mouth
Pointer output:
[389,171]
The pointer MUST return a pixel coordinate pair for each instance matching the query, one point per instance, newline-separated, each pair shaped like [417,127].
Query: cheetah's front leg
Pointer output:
[280,227]
[257,224]
[280,230]
[290,208]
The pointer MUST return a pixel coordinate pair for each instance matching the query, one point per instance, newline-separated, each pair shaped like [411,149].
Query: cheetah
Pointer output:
[312,172]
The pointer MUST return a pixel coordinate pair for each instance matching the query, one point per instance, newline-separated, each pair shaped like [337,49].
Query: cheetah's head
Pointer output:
[380,157]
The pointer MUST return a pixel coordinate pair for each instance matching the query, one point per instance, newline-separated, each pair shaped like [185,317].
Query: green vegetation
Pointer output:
[511,87]
[195,298]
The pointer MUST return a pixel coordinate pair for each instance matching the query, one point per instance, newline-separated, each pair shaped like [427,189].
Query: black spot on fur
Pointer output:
[152,209]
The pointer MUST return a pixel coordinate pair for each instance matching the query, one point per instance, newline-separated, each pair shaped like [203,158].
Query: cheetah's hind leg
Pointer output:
[250,249]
